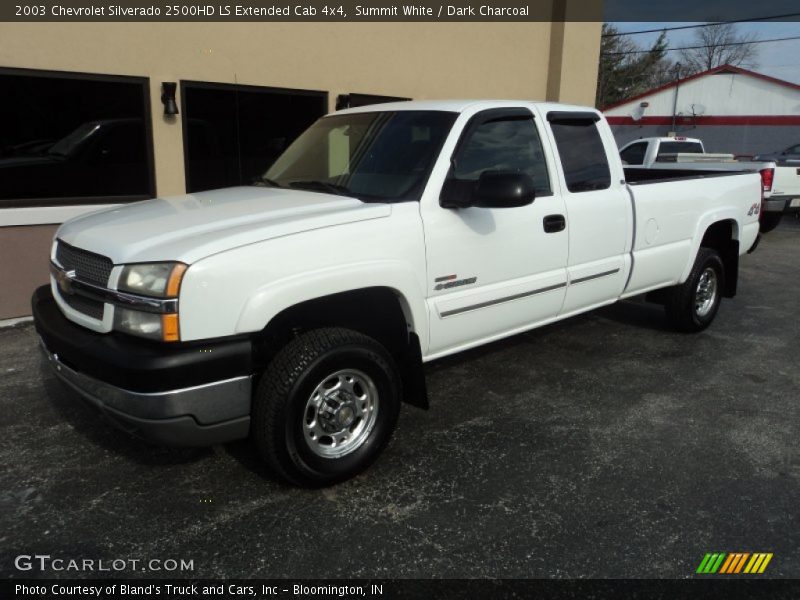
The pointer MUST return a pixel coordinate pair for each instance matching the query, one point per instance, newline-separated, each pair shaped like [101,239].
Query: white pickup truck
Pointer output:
[785,196]
[780,178]
[300,310]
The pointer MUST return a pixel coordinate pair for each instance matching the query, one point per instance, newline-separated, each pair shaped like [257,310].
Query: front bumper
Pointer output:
[191,394]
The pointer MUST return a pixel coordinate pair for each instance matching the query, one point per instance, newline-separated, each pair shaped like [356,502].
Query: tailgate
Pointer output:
[787,183]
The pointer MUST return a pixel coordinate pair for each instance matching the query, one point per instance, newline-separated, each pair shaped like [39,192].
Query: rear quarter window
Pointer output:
[583,156]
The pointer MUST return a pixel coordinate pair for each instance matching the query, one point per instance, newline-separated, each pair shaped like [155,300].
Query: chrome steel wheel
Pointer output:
[705,295]
[340,413]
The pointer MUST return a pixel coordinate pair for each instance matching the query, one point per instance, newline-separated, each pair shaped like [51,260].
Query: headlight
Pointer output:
[147,325]
[159,280]
[152,279]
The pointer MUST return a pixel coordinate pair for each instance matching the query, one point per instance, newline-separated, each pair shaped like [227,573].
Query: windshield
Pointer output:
[380,156]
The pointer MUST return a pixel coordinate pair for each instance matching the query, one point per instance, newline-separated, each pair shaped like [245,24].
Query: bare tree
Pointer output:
[627,69]
[721,44]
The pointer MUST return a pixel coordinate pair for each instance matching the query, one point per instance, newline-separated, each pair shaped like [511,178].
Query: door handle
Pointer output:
[554,223]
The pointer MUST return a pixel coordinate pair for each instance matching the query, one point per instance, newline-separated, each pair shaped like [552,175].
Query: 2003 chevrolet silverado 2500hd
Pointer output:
[300,310]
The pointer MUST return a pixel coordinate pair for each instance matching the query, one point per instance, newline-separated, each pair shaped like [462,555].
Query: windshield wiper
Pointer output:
[322,185]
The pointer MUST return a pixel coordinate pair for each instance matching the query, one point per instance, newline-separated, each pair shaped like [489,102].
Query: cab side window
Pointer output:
[582,153]
[508,143]
[634,154]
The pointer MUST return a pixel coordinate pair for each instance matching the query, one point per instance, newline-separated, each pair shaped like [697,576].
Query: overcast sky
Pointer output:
[777,59]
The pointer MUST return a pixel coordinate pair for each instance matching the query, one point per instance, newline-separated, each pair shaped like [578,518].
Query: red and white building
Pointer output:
[731,109]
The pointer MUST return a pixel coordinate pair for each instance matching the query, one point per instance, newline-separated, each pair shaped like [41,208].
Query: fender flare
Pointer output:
[727,213]
[272,298]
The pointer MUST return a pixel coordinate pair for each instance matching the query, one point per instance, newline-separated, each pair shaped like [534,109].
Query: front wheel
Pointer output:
[693,305]
[326,406]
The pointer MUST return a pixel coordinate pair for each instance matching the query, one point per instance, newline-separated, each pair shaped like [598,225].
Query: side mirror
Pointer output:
[504,189]
[494,189]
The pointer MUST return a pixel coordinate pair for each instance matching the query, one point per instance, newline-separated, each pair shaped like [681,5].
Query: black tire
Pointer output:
[300,370]
[769,221]
[682,301]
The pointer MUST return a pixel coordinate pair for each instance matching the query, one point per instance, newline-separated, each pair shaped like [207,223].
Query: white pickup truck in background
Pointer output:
[300,310]
[780,179]
[785,197]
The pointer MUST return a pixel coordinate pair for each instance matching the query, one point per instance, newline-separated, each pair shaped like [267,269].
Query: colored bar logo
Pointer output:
[734,563]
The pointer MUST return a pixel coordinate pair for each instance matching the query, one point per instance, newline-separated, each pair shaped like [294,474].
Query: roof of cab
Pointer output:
[459,106]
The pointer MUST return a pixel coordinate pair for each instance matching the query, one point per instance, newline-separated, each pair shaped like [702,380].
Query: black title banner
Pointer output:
[426,589]
[375,11]
[296,11]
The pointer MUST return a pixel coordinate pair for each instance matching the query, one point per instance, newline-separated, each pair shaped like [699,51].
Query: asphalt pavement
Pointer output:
[603,446]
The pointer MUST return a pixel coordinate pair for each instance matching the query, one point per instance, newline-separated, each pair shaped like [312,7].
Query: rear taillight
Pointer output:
[767,177]
[766,184]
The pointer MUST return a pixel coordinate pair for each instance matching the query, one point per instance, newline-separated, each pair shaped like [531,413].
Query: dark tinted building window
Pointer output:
[583,155]
[234,133]
[504,144]
[71,138]
[634,155]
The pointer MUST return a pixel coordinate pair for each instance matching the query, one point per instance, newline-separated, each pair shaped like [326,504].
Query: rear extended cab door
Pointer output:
[599,208]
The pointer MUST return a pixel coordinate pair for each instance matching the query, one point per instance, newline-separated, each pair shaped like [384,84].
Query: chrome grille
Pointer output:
[88,266]
[87,306]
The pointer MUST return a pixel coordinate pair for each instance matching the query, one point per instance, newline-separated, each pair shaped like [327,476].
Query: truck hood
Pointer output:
[191,227]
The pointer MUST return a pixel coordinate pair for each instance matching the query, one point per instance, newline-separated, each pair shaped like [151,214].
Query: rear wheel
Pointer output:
[326,406]
[693,305]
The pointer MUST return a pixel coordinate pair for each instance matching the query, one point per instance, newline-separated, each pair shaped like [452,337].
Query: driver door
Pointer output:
[494,271]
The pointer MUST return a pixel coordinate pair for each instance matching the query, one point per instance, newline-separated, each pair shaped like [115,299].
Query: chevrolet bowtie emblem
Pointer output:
[64,281]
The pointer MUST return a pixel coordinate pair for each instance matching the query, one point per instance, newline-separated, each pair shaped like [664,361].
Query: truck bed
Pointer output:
[668,233]
[642,175]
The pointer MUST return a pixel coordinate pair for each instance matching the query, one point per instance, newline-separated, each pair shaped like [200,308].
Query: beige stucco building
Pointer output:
[537,60]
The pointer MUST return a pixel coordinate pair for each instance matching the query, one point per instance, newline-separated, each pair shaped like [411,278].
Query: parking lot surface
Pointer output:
[602,446]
